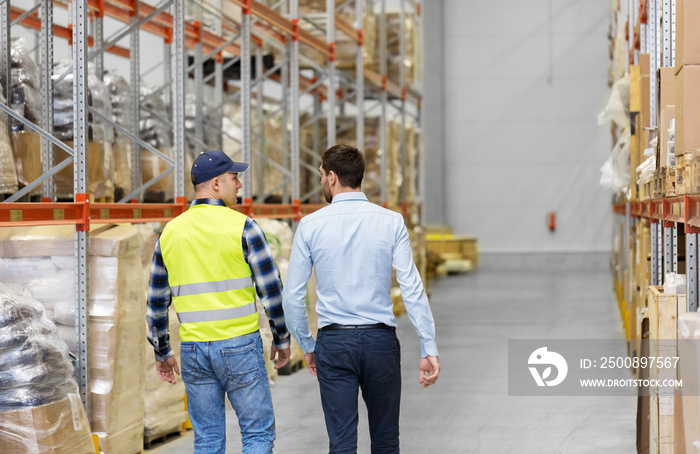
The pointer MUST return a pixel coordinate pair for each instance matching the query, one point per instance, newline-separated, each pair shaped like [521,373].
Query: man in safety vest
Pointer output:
[209,262]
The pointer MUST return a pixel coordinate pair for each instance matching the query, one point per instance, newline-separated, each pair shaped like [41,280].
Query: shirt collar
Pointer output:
[196,202]
[343,196]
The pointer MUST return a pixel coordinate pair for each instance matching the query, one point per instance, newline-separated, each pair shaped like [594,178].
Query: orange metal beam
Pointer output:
[346,28]
[33,22]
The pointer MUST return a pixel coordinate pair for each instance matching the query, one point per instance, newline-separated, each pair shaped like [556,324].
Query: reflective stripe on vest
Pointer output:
[216,315]
[211,283]
[212,287]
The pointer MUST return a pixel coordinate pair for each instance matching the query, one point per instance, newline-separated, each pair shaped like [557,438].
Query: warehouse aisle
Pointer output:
[469,411]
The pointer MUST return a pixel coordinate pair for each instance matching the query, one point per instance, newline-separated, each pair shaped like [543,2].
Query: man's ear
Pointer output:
[332,178]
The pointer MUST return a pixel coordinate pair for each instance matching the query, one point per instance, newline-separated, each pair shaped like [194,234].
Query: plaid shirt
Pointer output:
[268,286]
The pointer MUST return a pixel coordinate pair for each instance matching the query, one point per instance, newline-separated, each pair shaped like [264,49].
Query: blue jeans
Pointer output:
[369,359]
[234,367]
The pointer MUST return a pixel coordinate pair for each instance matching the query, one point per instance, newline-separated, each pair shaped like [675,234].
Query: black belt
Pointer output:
[336,326]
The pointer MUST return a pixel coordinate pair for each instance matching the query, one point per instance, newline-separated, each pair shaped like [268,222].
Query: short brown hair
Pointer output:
[347,162]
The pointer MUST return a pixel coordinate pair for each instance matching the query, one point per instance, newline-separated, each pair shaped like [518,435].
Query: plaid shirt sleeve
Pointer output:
[157,305]
[268,284]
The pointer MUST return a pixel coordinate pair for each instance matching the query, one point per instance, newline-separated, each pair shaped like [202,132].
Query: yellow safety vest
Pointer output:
[210,281]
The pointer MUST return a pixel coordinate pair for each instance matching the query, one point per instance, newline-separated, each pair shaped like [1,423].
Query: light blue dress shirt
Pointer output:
[352,245]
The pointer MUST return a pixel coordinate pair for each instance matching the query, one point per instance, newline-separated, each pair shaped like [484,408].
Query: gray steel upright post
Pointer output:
[626,246]
[654,254]
[5,63]
[260,81]
[654,59]
[47,150]
[402,81]
[673,33]
[675,247]
[660,256]
[286,158]
[382,118]
[98,40]
[135,89]
[668,250]
[199,83]
[360,78]
[294,105]
[219,90]
[245,97]
[315,128]
[691,253]
[80,187]
[168,76]
[178,98]
[330,39]
[668,32]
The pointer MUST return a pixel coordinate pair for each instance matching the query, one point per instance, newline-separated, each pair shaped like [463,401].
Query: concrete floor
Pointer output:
[469,410]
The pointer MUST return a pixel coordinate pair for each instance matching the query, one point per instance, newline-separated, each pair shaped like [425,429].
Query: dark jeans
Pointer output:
[371,360]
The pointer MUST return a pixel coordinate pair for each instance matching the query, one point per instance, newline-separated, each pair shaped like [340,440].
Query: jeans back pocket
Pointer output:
[191,371]
[242,363]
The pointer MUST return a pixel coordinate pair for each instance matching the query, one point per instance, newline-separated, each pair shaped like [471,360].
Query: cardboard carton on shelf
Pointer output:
[56,428]
[687,33]
[688,110]
[26,149]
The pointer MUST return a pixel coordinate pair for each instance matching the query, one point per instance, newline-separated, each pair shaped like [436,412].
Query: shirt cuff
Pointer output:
[428,348]
[281,345]
[165,355]
[307,344]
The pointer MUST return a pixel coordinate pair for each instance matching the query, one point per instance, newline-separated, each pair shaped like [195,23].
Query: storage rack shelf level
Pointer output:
[667,216]
[268,27]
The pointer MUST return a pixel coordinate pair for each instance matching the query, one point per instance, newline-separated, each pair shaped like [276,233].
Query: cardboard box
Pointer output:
[56,428]
[667,86]
[645,90]
[687,33]
[688,110]
[26,148]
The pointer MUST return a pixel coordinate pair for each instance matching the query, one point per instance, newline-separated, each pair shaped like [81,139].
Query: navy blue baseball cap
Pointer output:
[210,164]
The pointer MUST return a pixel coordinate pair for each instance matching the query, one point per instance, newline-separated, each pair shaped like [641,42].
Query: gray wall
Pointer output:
[511,99]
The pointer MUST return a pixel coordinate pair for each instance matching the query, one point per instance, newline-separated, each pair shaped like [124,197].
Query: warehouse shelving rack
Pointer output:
[259,25]
[651,30]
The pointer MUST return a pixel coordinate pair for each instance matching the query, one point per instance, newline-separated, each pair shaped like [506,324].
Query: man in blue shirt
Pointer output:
[352,245]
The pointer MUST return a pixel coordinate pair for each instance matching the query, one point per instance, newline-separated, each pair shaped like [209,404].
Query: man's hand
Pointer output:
[282,356]
[310,360]
[165,369]
[429,369]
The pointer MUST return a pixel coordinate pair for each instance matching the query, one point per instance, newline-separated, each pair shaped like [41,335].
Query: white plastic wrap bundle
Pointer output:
[8,172]
[100,135]
[26,101]
[25,98]
[40,410]
[40,260]
[119,96]
[155,133]
[165,409]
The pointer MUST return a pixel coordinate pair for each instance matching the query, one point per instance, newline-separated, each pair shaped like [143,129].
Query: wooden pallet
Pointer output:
[149,440]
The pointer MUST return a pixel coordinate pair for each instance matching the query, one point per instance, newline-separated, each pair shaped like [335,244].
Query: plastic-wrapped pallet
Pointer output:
[40,410]
[165,409]
[156,134]
[100,135]
[8,172]
[120,98]
[413,61]
[116,332]
[26,101]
